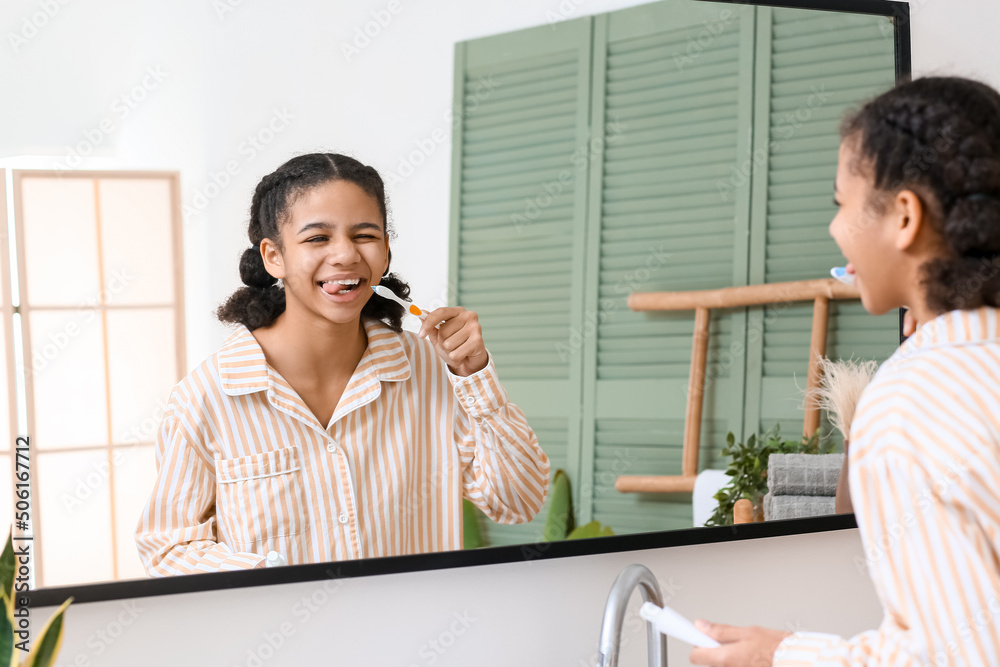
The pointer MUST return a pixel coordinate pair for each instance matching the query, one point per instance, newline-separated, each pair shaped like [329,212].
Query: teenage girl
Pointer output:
[918,186]
[321,431]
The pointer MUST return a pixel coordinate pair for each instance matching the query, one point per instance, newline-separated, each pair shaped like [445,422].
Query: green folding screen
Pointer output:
[518,214]
[672,146]
[811,67]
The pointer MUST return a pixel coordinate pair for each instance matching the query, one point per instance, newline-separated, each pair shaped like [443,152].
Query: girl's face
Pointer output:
[335,249]
[865,236]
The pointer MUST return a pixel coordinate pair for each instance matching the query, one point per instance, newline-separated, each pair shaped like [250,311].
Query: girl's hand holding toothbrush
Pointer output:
[458,340]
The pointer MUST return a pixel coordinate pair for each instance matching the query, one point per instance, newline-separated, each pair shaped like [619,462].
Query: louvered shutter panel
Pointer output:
[811,68]
[517,223]
[672,88]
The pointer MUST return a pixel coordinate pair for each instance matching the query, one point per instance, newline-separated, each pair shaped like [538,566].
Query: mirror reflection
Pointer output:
[609,176]
[712,138]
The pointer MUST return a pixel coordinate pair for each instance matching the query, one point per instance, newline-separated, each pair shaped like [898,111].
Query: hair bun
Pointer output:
[252,271]
[971,229]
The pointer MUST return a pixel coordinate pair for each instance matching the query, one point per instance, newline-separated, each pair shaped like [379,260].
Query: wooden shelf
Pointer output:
[820,291]
[748,295]
[655,483]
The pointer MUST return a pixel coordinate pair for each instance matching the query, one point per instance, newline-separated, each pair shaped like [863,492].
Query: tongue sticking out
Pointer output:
[333,288]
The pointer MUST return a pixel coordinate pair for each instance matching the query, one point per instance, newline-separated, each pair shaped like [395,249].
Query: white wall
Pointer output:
[224,72]
[956,37]
[545,612]
[226,65]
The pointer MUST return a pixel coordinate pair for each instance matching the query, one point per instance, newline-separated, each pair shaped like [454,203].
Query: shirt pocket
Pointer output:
[262,496]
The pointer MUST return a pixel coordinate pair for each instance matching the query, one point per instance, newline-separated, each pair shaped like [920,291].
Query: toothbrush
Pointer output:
[841,274]
[669,622]
[387,293]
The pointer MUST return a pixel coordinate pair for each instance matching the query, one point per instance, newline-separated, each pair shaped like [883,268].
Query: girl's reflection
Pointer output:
[321,430]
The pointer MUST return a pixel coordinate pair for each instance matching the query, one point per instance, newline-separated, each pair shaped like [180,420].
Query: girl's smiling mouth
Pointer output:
[341,290]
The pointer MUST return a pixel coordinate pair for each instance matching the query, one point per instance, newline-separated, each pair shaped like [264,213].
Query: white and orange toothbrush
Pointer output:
[387,293]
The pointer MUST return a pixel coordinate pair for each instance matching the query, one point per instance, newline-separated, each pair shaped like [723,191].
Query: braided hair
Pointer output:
[259,302]
[940,138]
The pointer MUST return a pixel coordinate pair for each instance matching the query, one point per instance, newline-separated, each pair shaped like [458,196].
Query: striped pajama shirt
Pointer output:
[245,468]
[925,484]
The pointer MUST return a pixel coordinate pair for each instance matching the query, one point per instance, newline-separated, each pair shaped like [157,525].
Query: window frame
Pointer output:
[24,309]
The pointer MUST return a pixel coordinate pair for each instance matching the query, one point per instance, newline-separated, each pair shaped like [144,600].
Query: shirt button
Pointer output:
[343,518]
[469,400]
[332,447]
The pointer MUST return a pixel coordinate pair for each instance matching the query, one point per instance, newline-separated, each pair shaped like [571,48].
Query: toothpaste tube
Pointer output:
[669,622]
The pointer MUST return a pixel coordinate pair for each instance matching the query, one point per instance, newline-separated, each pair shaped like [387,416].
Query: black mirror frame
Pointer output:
[899,13]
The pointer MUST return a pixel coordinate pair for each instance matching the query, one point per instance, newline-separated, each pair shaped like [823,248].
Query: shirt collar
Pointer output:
[244,370]
[958,327]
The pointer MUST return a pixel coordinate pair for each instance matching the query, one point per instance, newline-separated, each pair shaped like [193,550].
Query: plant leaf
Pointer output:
[589,530]
[7,568]
[472,537]
[748,468]
[49,640]
[8,655]
[559,521]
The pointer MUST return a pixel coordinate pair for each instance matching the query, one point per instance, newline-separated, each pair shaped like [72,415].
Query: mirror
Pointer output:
[711,165]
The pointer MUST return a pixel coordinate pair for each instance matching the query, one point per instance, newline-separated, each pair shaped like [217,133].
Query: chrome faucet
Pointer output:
[614,615]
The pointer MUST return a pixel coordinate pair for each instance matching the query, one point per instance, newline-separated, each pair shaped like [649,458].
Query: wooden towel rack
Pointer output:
[820,292]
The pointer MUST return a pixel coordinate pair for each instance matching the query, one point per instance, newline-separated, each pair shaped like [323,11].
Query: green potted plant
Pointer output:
[46,643]
[749,469]
[560,523]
